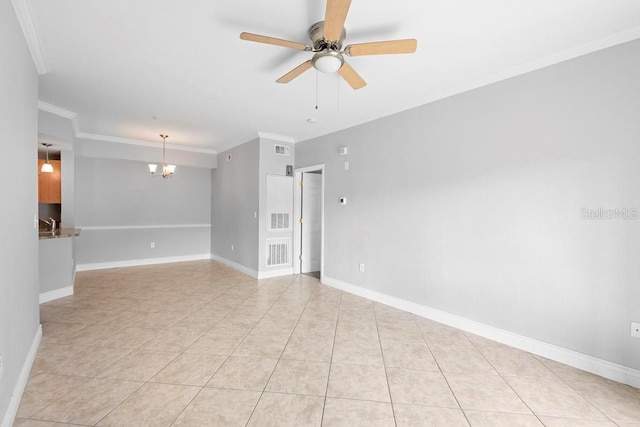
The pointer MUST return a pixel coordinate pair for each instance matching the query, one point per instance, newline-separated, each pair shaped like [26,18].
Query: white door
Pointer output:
[311,222]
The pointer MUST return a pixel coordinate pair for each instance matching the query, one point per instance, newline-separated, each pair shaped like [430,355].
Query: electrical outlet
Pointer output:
[153,245]
[361,268]
[1,366]
[635,329]
[232,247]
[346,166]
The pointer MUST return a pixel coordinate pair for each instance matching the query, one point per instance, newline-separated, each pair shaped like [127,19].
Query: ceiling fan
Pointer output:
[327,45]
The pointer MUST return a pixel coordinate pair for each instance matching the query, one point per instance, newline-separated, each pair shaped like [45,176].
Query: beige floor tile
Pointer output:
[409,356]
[51,332]
[174,340]
[499,419]
[357,352]
[619,402]
[548,396]
[151,405]
[88,403]
[419,416]
[348,412]
[279,410]
[25,422]
[50,354]
[44,389]
[124,318]
[420,388]
[90,335]
[267,346]
[139,365]
[89,362]
[453,358]
[299,377]
[311,348]
[159,320]
[243,373]
[569,373]
[511,362]
[216,343]
[190,369]
[485,392]
[129,338]
[572,422]
[358,382]
[219,407]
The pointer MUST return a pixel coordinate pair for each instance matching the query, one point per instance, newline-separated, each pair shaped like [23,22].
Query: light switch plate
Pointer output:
[635,329]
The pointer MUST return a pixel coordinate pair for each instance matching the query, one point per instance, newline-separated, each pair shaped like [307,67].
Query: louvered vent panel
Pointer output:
[282,150]
[278,252]
[279,221]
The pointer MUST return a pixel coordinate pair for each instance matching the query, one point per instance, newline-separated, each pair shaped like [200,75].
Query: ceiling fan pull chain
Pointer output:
[317,89]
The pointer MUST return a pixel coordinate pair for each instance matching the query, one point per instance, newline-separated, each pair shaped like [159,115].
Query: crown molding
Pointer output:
[59,111]
[275,137]
[119,140]
[527,67]
[25,18]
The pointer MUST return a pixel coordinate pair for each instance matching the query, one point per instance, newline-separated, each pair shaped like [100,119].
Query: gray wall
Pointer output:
[472,205]
[270,164]
[56,270]
[234,200]
[122,195]
[19,316]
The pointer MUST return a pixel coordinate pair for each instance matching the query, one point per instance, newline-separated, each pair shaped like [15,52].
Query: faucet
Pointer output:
[51,223]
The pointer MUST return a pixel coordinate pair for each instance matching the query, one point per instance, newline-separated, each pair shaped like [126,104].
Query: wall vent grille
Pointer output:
[279,221]
[278,252]
[282,150]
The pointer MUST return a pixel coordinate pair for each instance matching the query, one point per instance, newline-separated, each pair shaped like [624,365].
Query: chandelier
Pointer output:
[167,170]
[47,167]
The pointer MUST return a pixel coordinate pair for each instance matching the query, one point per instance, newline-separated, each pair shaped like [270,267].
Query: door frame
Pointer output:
[297,209]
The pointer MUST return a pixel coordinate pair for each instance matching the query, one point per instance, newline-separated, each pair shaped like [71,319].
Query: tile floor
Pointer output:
[199,344]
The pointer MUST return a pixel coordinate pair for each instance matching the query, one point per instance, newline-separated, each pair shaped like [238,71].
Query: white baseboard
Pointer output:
[139,262]
[251,272]
[603,368]
[16,396]
[275,273]
[56,294]
[241,268]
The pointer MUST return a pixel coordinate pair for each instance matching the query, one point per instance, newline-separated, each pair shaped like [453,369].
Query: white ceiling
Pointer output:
[119,63]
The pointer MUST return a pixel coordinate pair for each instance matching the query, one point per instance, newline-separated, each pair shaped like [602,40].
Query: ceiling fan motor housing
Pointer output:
[316,34]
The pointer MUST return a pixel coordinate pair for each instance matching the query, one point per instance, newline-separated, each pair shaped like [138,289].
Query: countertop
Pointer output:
[59,233]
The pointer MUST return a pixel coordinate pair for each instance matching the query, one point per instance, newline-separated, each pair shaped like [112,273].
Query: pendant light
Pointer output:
[167,170]
[47,167]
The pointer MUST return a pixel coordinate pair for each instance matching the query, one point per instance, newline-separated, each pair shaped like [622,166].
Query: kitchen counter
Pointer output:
[59,233]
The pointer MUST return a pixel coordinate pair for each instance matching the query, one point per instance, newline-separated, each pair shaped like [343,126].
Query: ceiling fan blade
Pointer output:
[350,75]
[382,48]
[272,40]
[295,72]
[334,17]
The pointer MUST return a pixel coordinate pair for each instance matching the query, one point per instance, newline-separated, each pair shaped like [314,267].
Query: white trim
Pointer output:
[139,227]
[128,141]
[275,137]
[56,294]
[587,363]
[275,273]
[58,111]
[25,17]
[241,268]
[138,262]
[536,64]
[16,396]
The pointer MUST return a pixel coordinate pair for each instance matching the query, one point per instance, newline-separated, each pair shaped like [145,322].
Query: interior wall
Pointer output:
[19,316]
[122,209]
[235,205]
[475,205]
[271,164]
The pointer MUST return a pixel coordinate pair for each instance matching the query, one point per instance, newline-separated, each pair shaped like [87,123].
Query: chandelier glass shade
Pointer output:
[167,170]
[47,167]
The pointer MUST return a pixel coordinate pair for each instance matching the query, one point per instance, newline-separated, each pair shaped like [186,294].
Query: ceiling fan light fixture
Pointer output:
[327,61]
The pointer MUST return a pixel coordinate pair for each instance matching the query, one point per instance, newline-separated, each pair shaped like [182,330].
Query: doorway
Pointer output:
[309,224]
